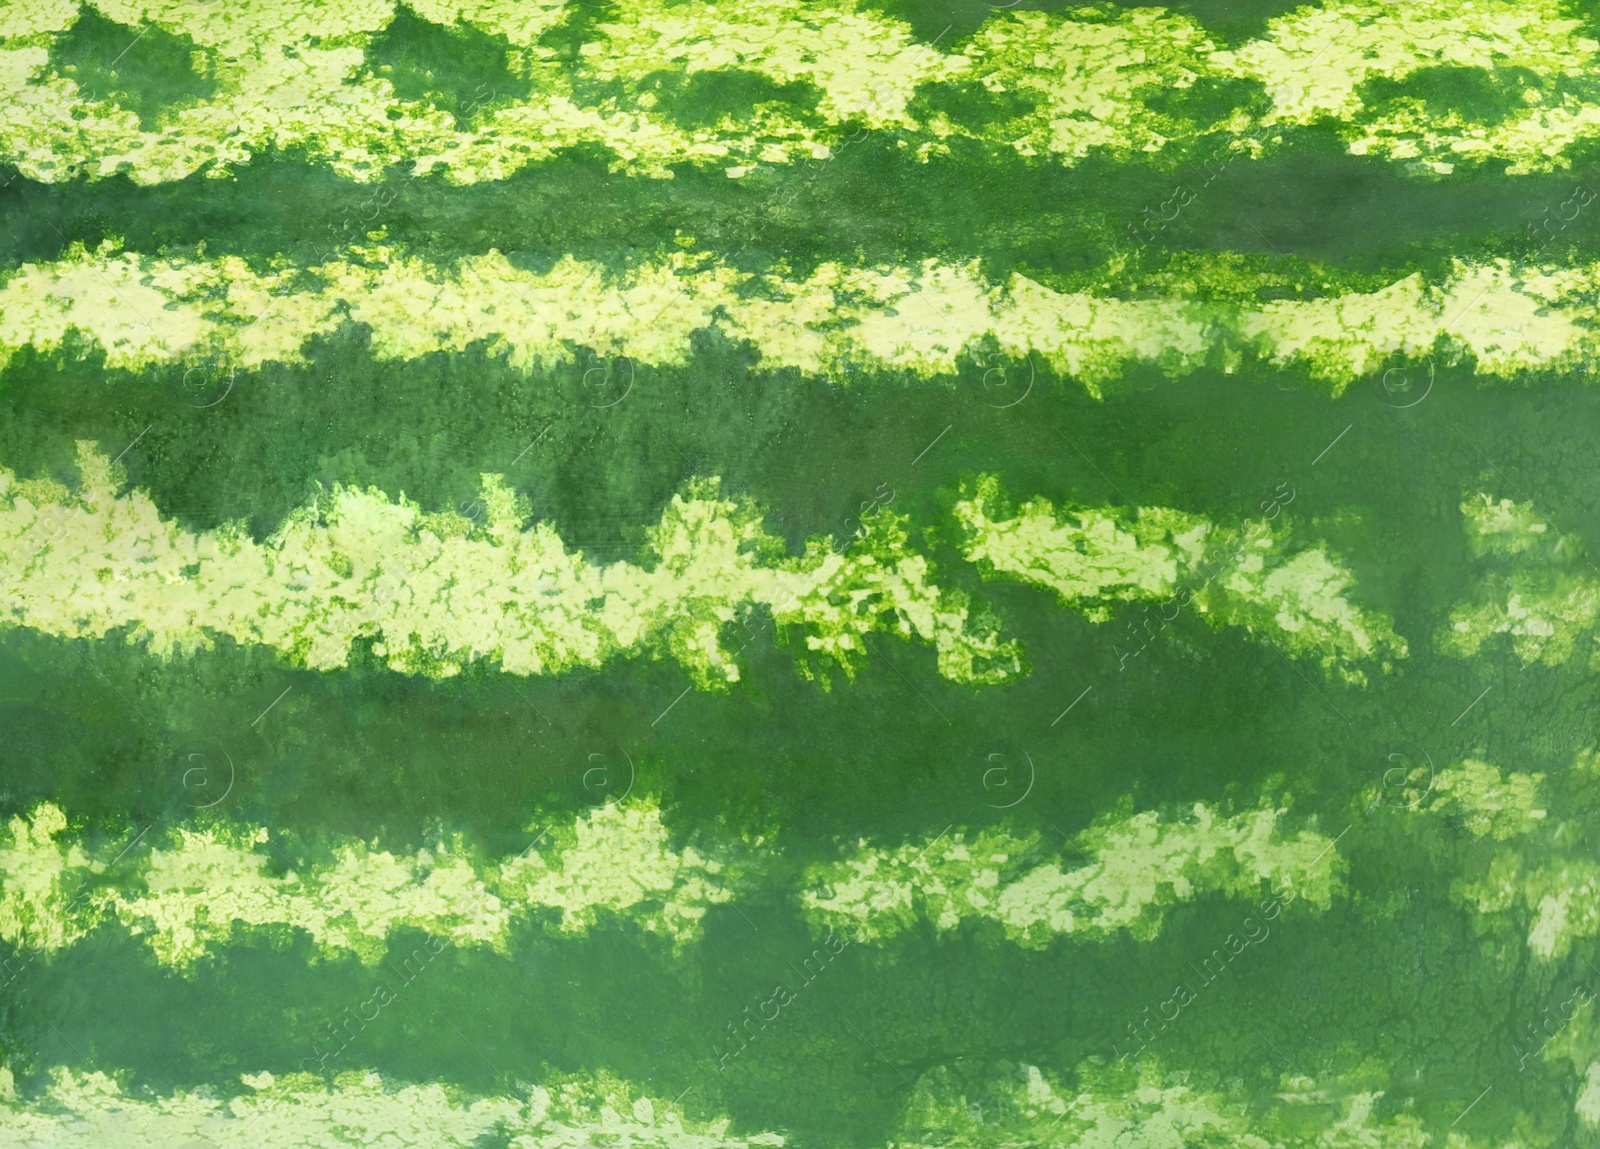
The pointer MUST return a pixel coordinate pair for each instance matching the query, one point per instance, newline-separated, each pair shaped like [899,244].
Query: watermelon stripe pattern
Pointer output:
[1070,83]
[1498,321]
[204,887]
[294,1108]
[827,575]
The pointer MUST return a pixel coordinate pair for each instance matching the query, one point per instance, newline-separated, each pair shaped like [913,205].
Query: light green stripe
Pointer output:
[299,1111]
[1541,886]
[865,67]
[1537,881]
[1094,77]
[1092,558]
[1135,867]
[1588,1104]
[202,888]
[206,887]
[1315,59]
[1533,590]
[1009,1105]
[1488,802]
[1158,1106]
[145,310]
[436,593]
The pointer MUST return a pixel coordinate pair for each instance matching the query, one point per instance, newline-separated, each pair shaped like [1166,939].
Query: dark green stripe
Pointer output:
[807,452]
[870,205]
[619,1003]
[323,760]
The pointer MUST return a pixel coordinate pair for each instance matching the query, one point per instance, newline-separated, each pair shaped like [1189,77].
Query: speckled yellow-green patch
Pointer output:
[145,310]
[1089,80]
[1092,558]
[204,887]
[1132,868]
[437,592]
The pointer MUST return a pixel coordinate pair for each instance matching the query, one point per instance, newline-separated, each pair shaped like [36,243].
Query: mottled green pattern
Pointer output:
[297,1109]
[1071,82]
[435,593]
[1542,595]
[847,574]
[223,316]
[206,887]
[1132,867]
[1232,577]
[1543,886]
